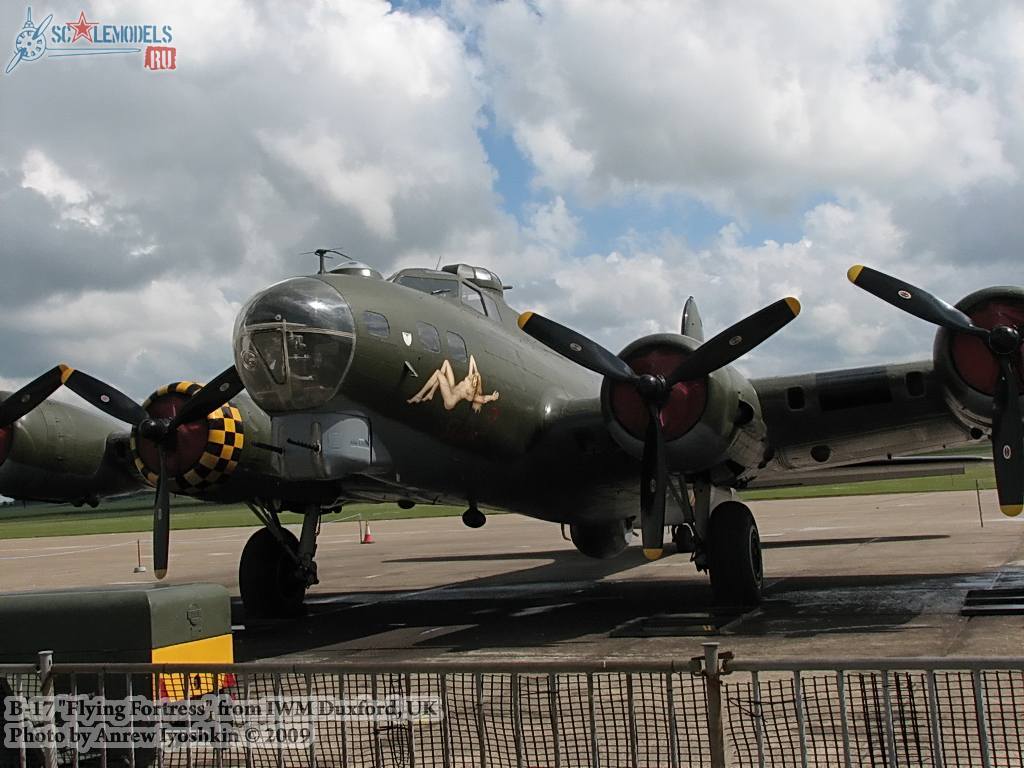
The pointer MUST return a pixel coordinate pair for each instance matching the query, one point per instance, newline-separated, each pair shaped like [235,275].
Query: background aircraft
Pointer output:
[427,387]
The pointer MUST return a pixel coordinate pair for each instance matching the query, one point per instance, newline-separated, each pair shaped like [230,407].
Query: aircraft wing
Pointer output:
[821,421]
[895,468]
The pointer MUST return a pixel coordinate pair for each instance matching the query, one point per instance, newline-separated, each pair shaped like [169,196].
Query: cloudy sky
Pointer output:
[608,159]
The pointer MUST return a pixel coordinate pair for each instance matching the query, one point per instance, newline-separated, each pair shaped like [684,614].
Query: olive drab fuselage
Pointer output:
[423,388]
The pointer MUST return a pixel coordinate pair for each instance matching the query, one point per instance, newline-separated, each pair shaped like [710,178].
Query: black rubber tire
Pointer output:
[267,578]
[734,555]
[601,541]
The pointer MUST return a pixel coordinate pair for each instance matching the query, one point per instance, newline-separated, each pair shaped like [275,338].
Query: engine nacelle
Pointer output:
[705,423]
[968,369]
[62,453]
[205,452]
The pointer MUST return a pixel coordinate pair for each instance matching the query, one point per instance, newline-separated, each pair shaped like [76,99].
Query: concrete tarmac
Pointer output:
[865,576]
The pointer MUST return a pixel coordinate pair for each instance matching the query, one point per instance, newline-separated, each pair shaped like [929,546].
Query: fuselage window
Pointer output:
[457,352]
[435,286]
[471,298]
[429,337]
[492,308]
[376,324]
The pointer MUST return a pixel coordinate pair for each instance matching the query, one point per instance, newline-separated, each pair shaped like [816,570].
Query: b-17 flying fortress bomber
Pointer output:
[428,388]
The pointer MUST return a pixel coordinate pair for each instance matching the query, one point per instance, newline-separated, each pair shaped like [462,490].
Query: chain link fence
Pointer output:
[941,712]
[708,711]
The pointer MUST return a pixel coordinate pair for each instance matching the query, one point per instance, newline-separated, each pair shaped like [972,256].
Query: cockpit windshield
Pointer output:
[293,344]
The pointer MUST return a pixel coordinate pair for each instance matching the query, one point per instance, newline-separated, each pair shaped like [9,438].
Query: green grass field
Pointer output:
[135,514]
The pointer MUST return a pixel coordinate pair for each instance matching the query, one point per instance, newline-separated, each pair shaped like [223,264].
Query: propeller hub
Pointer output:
[652,387]
[154,429]
[1004,339]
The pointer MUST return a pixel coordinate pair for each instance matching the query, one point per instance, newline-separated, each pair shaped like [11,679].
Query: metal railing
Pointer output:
[713,710]
[916,711]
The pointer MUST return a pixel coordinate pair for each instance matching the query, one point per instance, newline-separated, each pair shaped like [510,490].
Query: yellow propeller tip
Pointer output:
[524,318]
[854,272]
[653,554]
[65,373]
[794,305]
[160,574]
[1011,510]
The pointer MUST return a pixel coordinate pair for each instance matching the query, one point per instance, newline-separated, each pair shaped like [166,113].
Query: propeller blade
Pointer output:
[576,347]
[209,398]
[654,476]
[1008,442]
[104,397]
[161,519]
[912,299]
[735,341]
[32,394]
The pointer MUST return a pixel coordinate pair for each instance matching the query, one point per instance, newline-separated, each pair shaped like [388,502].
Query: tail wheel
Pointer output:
[268,577]
[734,557]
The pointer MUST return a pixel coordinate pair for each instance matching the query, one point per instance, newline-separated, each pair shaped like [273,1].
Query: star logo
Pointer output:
[82,28]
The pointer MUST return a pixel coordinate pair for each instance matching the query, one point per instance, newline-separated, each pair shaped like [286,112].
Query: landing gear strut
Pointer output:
[722,535]
[276,568]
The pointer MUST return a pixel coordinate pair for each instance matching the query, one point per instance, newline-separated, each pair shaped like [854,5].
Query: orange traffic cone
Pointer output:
[367,536]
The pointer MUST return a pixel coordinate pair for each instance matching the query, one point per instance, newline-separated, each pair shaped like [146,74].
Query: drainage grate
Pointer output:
[994,602]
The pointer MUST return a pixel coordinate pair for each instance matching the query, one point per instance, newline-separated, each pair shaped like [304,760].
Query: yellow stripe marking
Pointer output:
[65,373]
[854,272]
[1011,510]
[794,305]
[524,318]
[653,554]
[208,650]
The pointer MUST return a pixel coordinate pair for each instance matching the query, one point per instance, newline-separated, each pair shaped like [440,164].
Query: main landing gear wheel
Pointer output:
[734,555]
[269,579]
[599,540]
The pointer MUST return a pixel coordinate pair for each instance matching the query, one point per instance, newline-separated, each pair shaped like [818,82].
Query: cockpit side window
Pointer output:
[376,324]
[457,351]
[471,298]
[492,308]
[428,336]
[435,286]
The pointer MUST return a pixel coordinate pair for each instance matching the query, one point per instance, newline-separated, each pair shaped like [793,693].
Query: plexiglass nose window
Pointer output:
[293,344]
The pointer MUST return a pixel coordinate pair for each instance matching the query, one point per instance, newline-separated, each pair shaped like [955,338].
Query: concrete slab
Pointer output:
[868,575]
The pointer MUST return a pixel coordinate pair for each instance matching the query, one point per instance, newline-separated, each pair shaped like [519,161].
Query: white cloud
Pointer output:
[368,189]
[76,203]
[137,210]
[736,104]
[622,295]
[166,330]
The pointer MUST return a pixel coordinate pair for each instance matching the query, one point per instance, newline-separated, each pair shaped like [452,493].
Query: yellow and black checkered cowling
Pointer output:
[205,452]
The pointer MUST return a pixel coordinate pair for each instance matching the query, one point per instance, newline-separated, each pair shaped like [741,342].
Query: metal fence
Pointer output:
[713,710]
[941,712]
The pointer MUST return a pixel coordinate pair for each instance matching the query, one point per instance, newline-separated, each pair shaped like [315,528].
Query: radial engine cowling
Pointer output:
[968,369]
[205,453]
[705,422]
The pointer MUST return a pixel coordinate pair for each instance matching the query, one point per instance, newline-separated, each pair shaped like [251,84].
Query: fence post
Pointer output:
[46,690]
[716,731]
